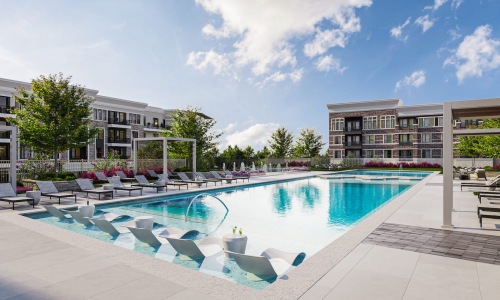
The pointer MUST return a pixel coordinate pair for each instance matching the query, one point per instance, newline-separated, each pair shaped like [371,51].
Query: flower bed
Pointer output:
[381,164]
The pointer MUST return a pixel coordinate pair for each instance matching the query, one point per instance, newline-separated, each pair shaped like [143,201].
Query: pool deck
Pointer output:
[40,261]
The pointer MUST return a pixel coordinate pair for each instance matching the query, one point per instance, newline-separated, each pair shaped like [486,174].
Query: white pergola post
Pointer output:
[165,156]
[13,154]
[194,156]
[447,165]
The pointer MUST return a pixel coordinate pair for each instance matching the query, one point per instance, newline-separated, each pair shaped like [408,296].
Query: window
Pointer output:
[135,134]
[337,153]
[370,122]
[387,153]
[388,138]
[387,122]
[117,136]
[134,118]
[353,125]
[337,124]
[426,153]
[370,139]
[4,104]
[337,140]
[354,140]
[100,134]
[426,138]
[4,151]
[406,153]
[78,153]
[405,138]
[100,114]
[370,153]
[155,122]
[406,123]
[430,122]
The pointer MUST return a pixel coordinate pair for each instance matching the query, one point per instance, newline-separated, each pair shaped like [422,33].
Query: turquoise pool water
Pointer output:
[297,216]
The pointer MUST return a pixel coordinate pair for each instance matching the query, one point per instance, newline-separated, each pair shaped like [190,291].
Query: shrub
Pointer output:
[488,168]
[22,189]
[496,167]
[381,164]
[108,172]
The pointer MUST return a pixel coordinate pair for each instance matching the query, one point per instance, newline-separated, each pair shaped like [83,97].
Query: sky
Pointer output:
[257,65]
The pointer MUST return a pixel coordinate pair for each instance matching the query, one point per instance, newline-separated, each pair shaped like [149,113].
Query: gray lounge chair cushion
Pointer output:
[100,176]
[152,173]
[115,181]
[121,174]
[142,179]
[85,184]
[6,190]
[47,187]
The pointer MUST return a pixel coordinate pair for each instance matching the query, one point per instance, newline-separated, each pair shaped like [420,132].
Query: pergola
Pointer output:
[13,153]
[469,109]
[165,141]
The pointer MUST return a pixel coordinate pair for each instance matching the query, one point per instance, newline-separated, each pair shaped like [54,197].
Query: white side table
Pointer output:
[234,243]
[144,222]
[36,195]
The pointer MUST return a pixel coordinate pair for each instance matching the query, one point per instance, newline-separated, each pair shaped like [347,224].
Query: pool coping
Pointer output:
[291,286]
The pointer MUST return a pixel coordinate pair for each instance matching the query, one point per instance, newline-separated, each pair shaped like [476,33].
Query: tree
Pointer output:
[151,150]
[308,144]
[263,153]
[54,117]
[248,153]
[192,123]
[281,142]
[490,145]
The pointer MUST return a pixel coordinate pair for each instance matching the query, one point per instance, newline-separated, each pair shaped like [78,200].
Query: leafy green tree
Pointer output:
[232,153]
[308,144]
[281,142]
[490,145]
[192,123]
[151,150]
[54,117]
[248,153]
[263,153]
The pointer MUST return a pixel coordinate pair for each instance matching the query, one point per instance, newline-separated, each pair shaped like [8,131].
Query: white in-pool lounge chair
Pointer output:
[8,194]
[208,246]
[54,211]
[147,236]
[85,215]
[271,263]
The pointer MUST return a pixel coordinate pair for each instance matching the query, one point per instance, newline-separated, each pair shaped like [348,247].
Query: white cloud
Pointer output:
[256,136]
[329,63]
[294,76]
[416,79]
[264,30]
[477,53]
[437,4]
[219,63]
[424,22]
[456,4]
[397,31]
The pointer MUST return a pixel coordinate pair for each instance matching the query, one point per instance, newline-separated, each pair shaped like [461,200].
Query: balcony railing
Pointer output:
[405,143]
[118,121]
[119,141]
[348,129]
[161,126]
[352,143]
[5,109]
[5,135]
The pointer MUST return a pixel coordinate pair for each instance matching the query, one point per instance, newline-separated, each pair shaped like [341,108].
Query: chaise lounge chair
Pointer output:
[143,182]
[202,176]
[56,212]
[47,188]
[147,236]
[271,263]
[101,177]
[491,184]
[85,215]
[87,187]
[236,177]
[152,173]
[173,183]
[118,185]
[208,246]
[124,177]
[184,178]
[215,174]
[8,194]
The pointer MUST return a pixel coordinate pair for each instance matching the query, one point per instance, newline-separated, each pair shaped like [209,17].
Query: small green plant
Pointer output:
[111,160]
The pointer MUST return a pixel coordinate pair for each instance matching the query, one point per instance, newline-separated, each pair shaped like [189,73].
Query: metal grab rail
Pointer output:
[204,194]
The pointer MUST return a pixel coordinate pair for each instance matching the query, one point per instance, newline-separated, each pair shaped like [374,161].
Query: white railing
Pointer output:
[459,162]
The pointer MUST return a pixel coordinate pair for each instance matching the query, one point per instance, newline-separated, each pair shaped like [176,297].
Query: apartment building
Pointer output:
[385,129]
[119,122]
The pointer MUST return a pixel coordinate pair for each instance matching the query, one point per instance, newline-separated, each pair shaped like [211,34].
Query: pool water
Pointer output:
[296,216]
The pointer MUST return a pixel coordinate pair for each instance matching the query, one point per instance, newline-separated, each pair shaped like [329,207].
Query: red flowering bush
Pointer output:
[22,189]
[299,164]
[381,164]
[496,167]
[108,172]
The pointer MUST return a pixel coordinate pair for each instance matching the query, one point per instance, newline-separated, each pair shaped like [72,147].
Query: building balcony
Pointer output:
[406,143]
[118,121]
[119,141]
[5,109]
[160,127]
[352,130]
[5,135]
[352,145]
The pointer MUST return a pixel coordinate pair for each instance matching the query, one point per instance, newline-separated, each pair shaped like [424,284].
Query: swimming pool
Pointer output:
[297,216]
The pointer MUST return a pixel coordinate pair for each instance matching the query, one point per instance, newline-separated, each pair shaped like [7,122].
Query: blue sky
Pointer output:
[255,65]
